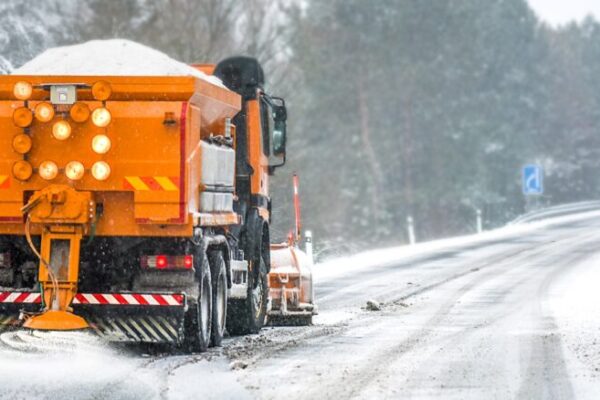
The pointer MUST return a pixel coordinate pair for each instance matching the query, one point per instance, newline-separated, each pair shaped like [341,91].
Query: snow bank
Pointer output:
[115,57]
[338,267]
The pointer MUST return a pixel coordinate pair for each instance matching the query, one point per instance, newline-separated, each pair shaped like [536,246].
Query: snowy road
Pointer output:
[509,314]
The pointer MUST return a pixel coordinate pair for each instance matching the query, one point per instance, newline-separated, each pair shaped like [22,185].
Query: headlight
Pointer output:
[22,143]
[101,117]
[74,170]
[22,170]
[101,144]
[44,112]
[22,117]
[101,90]
[61,130]
[101,170]
[22,90]
[80,112]
[48,170]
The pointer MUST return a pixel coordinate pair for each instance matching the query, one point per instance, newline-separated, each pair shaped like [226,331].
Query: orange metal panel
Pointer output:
[260,163]
[157,123]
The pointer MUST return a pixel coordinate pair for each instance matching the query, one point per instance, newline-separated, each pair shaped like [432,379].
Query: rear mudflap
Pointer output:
[116,317]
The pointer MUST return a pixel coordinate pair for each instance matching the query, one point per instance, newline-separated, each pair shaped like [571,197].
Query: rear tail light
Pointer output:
[5,260]
[162,261]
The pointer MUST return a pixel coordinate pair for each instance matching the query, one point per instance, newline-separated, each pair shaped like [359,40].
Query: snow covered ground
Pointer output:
[574,302]
[511,313]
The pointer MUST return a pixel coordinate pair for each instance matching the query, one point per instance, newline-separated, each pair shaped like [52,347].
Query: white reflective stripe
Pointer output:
[169,326]
[149,329]
[130,299]
[90,298]
[110,299]
[156,324]
[139,329]
[170,300]
[117,328]
[12,297]
[32,298]
[150,299]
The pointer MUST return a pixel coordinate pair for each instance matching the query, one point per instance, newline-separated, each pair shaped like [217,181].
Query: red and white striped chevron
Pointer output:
[20,297]
[134,299]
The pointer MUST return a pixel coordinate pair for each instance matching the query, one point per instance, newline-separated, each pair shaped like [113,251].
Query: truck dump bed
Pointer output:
[155,131]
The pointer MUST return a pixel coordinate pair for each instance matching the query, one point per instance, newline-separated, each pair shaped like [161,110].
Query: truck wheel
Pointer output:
[198,318]
[248,316]
[219,297]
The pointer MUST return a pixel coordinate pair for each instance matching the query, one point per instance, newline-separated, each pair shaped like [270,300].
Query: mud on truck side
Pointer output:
[138,206]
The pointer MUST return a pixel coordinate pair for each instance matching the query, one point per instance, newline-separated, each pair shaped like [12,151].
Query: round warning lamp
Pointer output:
[101,117]
[44,112]
[22,90]
[61,130]
[22,117]
[101,144]
[101,170]
[101,90]
[80,112]
[74,170]
[48,170]
[22,143]
[22,170]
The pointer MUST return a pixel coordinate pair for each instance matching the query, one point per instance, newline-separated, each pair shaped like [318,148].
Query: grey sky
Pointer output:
[558,12]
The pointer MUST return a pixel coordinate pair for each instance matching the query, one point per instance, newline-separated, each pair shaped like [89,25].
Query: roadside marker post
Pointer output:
[479,221]
[410,226]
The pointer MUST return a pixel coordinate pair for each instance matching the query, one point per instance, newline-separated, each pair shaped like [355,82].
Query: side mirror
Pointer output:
[280,127]
[279,138]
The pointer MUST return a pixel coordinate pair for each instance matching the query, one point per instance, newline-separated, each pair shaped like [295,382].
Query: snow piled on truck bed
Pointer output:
[114,57]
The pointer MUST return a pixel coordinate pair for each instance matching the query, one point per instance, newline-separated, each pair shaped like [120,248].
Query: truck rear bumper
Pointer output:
[116,317]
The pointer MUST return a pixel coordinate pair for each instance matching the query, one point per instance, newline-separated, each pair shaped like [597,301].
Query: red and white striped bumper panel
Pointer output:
[20,297]
[131,299]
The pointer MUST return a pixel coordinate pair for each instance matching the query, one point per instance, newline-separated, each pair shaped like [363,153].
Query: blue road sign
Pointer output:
[533,180]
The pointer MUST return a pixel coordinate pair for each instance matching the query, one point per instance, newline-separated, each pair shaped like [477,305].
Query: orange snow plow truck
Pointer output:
[138,207]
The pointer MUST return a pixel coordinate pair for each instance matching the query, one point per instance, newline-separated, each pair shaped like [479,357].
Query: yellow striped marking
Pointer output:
[137,183]
[166,183]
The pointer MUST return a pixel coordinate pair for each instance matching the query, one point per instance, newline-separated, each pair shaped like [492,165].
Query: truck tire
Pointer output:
[248,316]
[219,296]
[198,318]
